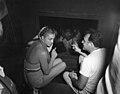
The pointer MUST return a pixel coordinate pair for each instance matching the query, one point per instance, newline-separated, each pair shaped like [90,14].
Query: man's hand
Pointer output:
[73,75]
[76,47]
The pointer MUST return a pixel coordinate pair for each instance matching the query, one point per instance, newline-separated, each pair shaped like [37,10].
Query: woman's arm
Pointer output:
[44,62]
[53,56]
[46,65]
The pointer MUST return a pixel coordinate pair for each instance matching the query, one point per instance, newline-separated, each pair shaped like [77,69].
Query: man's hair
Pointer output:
[45,30]
[90,31]
[96,37]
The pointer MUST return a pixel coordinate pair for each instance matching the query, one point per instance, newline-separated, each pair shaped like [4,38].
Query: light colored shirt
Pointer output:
[92,67]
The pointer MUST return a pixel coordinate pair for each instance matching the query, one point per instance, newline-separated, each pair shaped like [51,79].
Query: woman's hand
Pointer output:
[54,53]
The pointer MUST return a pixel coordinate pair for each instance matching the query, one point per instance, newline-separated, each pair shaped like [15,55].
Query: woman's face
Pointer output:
[48,39]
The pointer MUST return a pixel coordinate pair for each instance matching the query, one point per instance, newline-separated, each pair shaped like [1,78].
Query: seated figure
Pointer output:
[91,66]
[41,66]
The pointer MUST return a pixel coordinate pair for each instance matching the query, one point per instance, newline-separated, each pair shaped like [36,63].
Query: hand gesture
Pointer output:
[76,47]
[73,75]
[54,53]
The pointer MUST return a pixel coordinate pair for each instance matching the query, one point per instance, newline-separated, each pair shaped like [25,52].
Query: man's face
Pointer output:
[85,42]
[49,39]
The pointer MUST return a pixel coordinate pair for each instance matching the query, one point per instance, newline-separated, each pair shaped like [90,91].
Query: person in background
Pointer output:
[60,47]
[86,80]
[110,82]
[67,40]
[41,67]
[77,36]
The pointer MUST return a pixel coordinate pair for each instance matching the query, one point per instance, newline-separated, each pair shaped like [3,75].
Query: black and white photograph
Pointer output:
[59,47]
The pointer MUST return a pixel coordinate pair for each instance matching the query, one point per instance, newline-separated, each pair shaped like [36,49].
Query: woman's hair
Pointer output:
[45,30]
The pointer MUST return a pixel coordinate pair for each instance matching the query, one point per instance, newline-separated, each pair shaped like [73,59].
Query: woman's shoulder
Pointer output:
[35,50]
[41,48]
[36,47]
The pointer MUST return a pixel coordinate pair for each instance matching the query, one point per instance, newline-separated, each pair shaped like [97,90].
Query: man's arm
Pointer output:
[77,49]
[79,83]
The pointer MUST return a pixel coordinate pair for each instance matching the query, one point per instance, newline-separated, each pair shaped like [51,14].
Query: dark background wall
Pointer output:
[25,14]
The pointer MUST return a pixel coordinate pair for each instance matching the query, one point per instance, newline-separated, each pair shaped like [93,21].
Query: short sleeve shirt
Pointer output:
[92,67]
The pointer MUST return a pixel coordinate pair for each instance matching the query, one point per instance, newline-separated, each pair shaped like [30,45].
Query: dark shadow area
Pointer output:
[63,23]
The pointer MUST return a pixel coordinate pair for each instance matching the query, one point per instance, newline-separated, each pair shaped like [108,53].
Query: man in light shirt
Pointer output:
[91,66]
